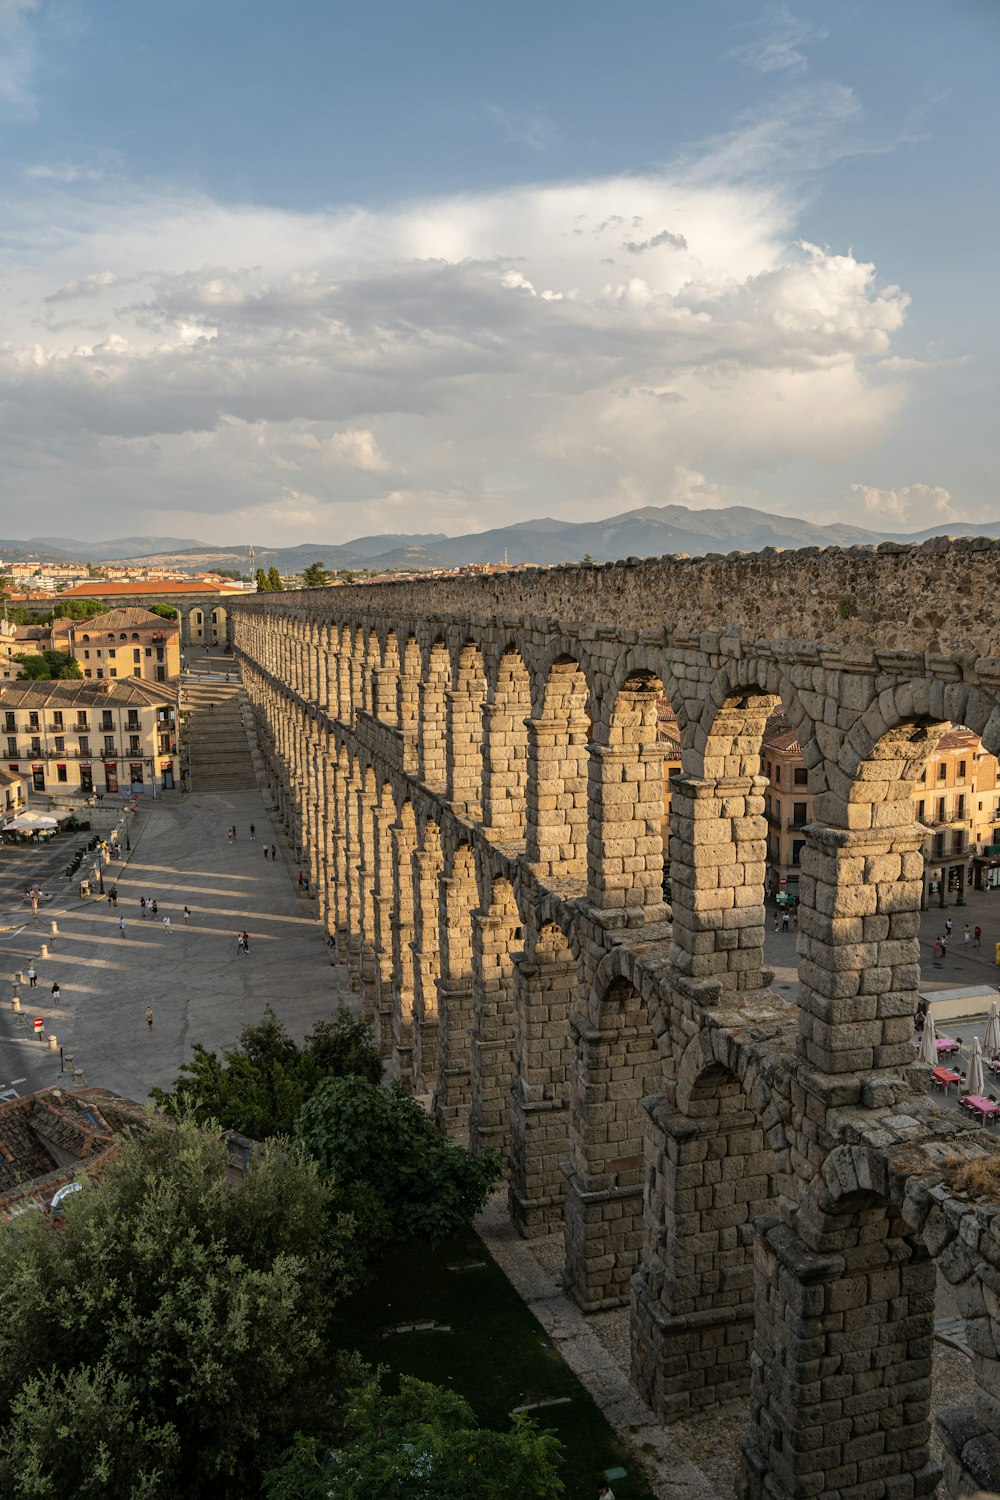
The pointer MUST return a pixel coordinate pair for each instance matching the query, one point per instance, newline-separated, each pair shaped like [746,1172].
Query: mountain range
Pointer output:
[649,531]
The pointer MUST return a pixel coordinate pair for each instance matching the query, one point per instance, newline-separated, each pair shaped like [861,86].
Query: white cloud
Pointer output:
[457,358]
[911,507]
[776,41]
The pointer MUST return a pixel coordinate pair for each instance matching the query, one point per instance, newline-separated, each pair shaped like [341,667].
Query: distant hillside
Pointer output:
[648,532]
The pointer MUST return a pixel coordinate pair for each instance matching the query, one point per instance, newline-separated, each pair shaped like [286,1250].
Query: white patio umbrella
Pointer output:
[928,1042]
[991,1041]
[974,1081]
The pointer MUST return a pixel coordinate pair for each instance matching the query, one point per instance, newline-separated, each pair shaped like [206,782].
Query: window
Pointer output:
[135,635]
[134,745]
[135,772]
[12,747]
[921,807]
[767,769]
[777,774]
[81,721]
[111,635]
[961,770]
[159,653]
[33,720]
[38,778]
[123,636]
[113,672]
[137,654]
[136,671]
[797,847]
[57,719]
[98,653]
[133,718]
[161,676]
[112,652]
[149,650]
[60,745]
[85,638]
[800,812]
[107,722]
[801,777]
[109,744]
[941,812]
[84,745]
[36,745]
[86,779]
[942,772]
[938,845]
[9,722]
[61,773]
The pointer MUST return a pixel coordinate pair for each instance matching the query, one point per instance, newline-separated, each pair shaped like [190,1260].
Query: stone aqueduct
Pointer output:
[470,768]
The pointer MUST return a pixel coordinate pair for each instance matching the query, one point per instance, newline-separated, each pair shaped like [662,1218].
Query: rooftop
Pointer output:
[119,692]
[111,589]
[134,618]
[48,1137]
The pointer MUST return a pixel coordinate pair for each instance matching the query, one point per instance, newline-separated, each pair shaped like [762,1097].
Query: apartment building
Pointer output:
[127,643]
[85,737]
[957,799]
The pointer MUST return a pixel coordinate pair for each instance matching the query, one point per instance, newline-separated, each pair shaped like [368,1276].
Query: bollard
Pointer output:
[54,927]
[69,1063]
[44,951]
[19,977]
[15,1003]
[53,1042]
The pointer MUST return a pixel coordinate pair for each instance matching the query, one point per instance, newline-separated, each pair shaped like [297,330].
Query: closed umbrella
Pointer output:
[991,1041]
[928,1042]
[974,1081]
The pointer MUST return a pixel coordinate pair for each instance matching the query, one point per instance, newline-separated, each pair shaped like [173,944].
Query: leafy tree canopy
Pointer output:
[49,666]
[260,1086]
[315,576]
[394,1170]
[260,578]
[165,611]
[274,582]
[78,609]
[167,1340]
[424,1444]
[232,573]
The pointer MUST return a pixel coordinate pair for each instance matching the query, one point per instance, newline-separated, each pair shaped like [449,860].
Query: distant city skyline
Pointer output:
[322,273]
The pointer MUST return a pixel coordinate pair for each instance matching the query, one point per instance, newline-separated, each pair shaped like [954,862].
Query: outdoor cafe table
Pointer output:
[946,1044]
[977,1105]
[943,1077]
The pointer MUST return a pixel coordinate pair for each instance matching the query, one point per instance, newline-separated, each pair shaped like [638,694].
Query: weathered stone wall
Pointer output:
[469,769]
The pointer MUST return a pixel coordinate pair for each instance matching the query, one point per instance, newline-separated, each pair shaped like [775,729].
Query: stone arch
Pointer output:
[465,731]
[505,768]
[427,866]
[616,1066]
[385,690]
[497,933]
[433,720]
[713,1168]
[557,790]
[404,844]
[458,900]
[625,809]
[219,618]
[384,817]
[409,694]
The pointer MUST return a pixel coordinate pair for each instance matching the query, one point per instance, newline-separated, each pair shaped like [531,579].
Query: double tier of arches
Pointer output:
[480,811]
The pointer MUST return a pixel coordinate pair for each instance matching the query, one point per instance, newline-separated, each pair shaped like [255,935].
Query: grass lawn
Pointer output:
[497,1355]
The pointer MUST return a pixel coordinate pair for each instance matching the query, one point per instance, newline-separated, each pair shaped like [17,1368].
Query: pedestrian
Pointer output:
[977,934]
[274,851]
[301,881]
[246,941]
[187,915]
[230,835]
[937,948]
[239,943]
[142,904]
[56,992]
[166,925]
[947,927]
[153,909]
[775,921]
[253,833]
[266,848]
[784,920]
[34,908]
[32,977]
[149,1017]
[234,833]
[121,925]
[114,897]
[967,934]
[944,945]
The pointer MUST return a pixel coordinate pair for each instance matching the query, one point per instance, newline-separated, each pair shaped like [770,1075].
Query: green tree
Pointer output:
[78,609]
[424,1444]
[394,1170]
[348,576]
[274,581]
[165,611]
[260,1086]
[315,576]
[49,666]
[263,586]
[187,1319]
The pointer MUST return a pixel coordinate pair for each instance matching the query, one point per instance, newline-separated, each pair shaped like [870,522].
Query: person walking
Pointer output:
[230,835]
[56,993]
[301,880]
[938,948]
[948,924]
[274,851]
[253,833]
[977,936]
[153,909]
[776,921]
[32,977]
[967,934]
[149,1017]
[166,924]
[784,920]
[121,925]
[113,896]
[246,941]
[266,849]
[187,915]
[142,904]
[239,943]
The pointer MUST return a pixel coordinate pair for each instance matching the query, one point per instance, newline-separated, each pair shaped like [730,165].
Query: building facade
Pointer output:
[76,738]
[956,800]
[202,609]
[127,643]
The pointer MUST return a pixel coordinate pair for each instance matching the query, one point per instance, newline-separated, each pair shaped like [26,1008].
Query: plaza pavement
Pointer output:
[200,989]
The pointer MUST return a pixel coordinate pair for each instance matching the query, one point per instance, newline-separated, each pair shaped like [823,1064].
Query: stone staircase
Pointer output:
[218,752]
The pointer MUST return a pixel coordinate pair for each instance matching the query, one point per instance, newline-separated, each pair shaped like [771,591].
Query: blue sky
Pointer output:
[276,273]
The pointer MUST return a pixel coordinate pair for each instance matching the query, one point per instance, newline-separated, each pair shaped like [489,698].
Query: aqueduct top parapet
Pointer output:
[939,596]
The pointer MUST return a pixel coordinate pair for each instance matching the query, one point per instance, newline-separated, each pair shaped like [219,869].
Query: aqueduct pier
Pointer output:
[471,771]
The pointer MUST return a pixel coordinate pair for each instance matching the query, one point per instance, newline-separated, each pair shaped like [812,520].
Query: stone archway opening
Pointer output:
[465,732]
[497,937]
[625,847]
[558,775]
[458,899]
[432,729]
[505,749]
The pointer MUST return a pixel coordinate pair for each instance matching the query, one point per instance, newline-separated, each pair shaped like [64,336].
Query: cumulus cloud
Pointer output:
[911,507]
[457,358]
